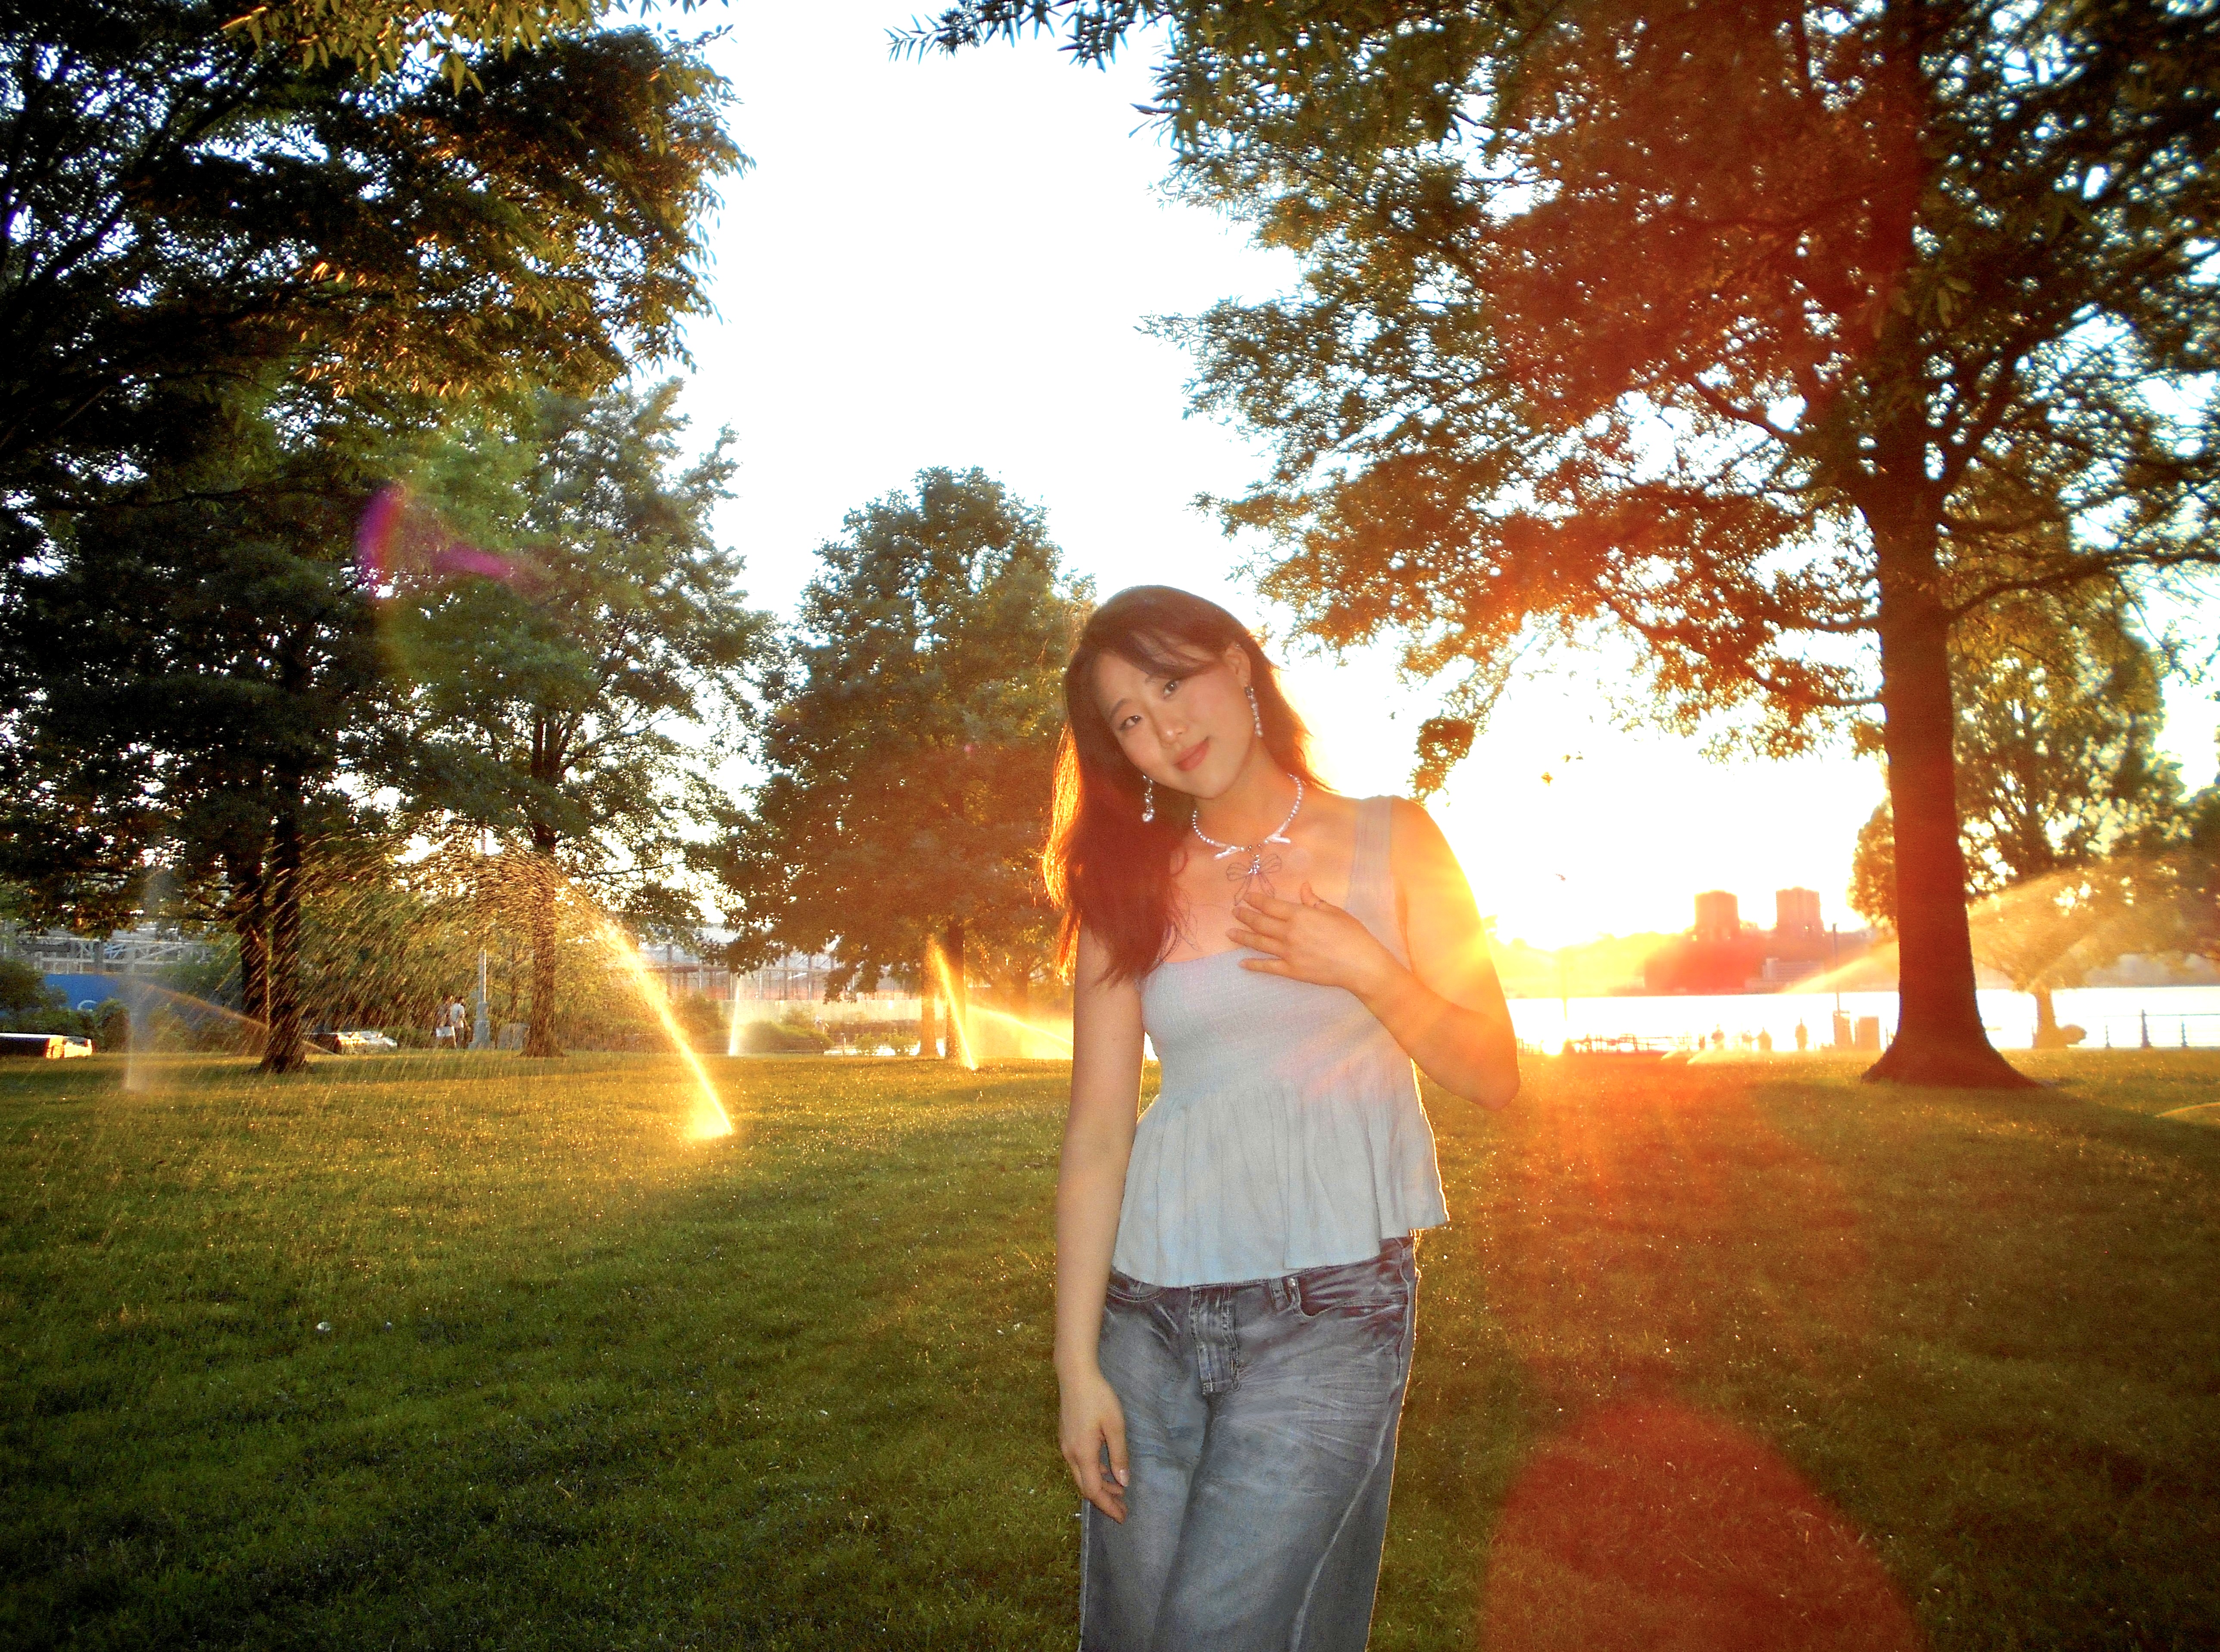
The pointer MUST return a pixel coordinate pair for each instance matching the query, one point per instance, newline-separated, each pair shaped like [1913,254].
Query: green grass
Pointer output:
[1718,1356]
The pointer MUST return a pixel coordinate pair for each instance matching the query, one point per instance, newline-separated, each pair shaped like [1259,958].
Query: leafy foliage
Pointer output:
[378,36]
[573,698]
[189,217]
[233,278]
[192,657]
[1782,339]
[23,987]
[567,691]
[908,737]
[2058,716]
[2192,866]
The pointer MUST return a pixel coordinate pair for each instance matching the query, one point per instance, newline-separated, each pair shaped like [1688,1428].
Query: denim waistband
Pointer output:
[1280,1286]
[1208,1319]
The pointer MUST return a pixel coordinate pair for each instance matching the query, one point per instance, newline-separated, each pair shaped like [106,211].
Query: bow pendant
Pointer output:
[1258,866]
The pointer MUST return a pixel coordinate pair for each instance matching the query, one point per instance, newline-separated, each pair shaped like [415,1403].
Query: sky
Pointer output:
[949,262]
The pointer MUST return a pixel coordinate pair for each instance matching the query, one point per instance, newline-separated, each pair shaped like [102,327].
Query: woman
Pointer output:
[1235,1276]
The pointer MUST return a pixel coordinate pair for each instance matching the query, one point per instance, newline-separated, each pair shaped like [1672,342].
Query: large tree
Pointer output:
[909,729]
[185,214]
[186,663]
[231,275]
[1781,338]
[573,641]
[2061,792]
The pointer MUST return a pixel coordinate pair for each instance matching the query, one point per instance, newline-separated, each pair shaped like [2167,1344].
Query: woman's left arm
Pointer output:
[1447,1008]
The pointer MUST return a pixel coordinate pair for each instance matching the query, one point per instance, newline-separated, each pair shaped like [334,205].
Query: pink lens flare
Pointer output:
[1648,1523]
[399,537]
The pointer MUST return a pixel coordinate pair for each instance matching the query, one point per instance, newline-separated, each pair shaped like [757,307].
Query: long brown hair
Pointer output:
[1110,870]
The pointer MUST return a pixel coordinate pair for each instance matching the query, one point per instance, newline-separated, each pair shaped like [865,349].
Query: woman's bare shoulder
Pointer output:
[1090,974]
[1409,827]
[1417,854]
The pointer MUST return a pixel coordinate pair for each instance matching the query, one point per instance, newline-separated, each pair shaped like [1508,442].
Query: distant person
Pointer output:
[459,1016]
[1718,1038]
[1236,1277]
[1803,1036]
[1764,1041]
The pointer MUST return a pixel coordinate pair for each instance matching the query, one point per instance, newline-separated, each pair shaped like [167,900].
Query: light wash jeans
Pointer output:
[1260,1434]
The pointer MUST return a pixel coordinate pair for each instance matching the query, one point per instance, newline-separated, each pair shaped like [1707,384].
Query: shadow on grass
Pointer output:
[1733,1356]
[1965,1321]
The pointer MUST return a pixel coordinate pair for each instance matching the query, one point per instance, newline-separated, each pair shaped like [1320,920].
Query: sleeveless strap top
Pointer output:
[1288,1133]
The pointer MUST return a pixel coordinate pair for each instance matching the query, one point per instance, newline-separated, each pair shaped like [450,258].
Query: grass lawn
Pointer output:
[1713,1356]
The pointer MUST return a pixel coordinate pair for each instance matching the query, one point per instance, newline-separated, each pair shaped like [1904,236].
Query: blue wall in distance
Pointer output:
[84,992]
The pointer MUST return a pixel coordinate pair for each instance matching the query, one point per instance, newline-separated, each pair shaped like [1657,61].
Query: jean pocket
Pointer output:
[1360,1290]
[1133,1293]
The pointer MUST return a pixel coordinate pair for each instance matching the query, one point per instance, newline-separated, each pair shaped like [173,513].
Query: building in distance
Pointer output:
[1723,954]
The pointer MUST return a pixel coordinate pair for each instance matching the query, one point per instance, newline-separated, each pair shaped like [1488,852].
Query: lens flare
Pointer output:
[710,1119]
[399,535]
[1027,1032]
[959,1032]
[1648,1523]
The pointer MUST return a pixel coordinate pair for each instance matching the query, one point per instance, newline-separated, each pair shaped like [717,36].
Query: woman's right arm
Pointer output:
[1098,1140]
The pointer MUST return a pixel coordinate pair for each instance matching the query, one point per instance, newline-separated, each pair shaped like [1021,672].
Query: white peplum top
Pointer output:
[1287,1133]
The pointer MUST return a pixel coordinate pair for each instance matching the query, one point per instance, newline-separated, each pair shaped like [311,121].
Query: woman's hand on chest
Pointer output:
[1314,940]
[1213,890]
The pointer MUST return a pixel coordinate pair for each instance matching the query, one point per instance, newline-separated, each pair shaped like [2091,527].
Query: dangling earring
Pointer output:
[1255,715]
[1148,800]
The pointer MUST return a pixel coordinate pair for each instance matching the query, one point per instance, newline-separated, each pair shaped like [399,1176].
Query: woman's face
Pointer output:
[1189,733]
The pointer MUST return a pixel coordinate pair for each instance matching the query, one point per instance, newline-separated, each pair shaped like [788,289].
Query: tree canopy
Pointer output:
[570,673]
[1782,340]
[908,740]
[380,35]
[186,666]
[188,216]
[237,284]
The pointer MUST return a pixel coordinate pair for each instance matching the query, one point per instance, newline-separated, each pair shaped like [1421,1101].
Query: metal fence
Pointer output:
[2155,1030]
[58,953]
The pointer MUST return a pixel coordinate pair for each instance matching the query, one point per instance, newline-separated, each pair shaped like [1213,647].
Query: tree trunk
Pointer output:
[959,1006]
[1939,1037]
[539,1038]
[249,911]
[929,992]
[283,1049]
[2047,1036]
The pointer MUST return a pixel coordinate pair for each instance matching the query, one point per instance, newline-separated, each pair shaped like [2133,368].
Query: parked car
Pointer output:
[44,1046]
[360,1042]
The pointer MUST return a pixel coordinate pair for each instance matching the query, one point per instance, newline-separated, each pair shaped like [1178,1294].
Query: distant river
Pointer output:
[2115,1012]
